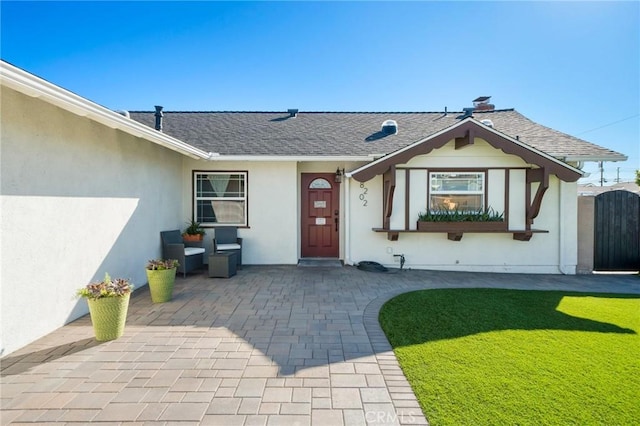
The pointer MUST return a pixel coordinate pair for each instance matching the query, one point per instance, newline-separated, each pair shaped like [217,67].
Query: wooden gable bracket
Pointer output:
[455,236]
[465,140]
[389,187]
[536,175]
[523,236]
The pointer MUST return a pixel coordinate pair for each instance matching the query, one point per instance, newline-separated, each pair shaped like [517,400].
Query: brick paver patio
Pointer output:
[274,345]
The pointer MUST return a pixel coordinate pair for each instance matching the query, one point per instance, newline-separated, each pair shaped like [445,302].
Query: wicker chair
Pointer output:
[226,239]
[173,247]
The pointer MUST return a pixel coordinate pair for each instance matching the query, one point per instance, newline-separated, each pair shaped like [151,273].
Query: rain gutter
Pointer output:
[36,87]
[300,158]
[613,157]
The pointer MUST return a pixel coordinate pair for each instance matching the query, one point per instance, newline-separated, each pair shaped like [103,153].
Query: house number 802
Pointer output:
[363,194]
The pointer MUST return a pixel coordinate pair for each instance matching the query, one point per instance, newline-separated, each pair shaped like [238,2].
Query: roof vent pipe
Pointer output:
[292,113]
[159,116]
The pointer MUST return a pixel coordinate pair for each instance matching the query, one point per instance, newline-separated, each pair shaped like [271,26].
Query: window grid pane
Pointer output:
[457,182]
[220,198]
[456,202]
[456,191]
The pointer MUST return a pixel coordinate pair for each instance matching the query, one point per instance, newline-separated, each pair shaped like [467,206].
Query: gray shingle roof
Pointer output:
[349,133]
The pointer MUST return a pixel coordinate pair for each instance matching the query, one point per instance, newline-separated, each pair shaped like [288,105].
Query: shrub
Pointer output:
[161,265]
[106,288]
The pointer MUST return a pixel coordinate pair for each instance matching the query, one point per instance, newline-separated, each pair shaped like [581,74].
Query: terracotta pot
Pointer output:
[192,238]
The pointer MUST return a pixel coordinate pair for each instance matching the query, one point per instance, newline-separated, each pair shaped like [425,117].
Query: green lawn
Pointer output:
[506,357]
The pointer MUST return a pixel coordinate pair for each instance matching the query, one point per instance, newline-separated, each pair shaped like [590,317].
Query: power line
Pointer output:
[608,124]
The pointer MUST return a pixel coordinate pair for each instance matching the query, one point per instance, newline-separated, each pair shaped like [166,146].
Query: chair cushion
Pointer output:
[228,246]
[189,251]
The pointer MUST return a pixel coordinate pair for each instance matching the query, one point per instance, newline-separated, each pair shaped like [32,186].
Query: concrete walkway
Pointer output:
[270,346]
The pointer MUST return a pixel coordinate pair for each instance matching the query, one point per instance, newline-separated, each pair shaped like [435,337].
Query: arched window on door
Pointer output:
[320,183]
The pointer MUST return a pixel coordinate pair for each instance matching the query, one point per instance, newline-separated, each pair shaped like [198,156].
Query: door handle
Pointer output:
[337,220]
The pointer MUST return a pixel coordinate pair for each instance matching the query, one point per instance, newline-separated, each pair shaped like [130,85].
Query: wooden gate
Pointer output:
[617,231]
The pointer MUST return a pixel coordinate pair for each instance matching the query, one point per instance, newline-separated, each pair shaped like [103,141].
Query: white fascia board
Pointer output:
[33,86]
[301,158]
[596,158]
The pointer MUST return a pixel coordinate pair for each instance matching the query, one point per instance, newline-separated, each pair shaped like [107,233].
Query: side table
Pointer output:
[222,265]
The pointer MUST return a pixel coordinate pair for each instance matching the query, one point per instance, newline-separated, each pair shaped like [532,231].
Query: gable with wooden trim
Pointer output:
[531,177]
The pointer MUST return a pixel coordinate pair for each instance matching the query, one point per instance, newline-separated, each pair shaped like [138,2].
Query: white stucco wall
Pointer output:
[78,199]
[271,237]
[553,252]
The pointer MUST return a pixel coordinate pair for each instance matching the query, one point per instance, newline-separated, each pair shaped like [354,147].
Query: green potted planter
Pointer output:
[108,302]
[161,275]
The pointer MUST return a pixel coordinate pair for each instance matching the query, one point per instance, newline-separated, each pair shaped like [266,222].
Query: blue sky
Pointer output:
[572,66]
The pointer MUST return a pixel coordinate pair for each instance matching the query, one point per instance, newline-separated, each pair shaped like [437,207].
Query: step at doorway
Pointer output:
[319,263]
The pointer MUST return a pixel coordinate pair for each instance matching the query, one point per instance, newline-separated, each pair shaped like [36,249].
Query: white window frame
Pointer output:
[243,197]
[436,174]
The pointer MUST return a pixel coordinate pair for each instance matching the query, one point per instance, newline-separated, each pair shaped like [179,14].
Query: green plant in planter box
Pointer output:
[446,215]
[108,302]
[161,275]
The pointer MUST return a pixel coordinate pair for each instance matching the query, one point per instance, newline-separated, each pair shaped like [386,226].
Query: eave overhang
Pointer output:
[36,87]
[464,133]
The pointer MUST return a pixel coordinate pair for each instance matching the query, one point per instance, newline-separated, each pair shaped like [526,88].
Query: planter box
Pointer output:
[462,226]
[192,238]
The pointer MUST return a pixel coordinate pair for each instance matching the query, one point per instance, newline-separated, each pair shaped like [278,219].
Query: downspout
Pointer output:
[561,242]
[347,220]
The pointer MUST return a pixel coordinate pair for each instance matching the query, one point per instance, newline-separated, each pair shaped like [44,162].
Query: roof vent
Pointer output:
[468,112]
[487,122]
[292,112]
[159,116]
[124,113]
[390,127]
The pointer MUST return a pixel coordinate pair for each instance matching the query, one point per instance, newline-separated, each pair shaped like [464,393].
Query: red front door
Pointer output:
[320,215]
